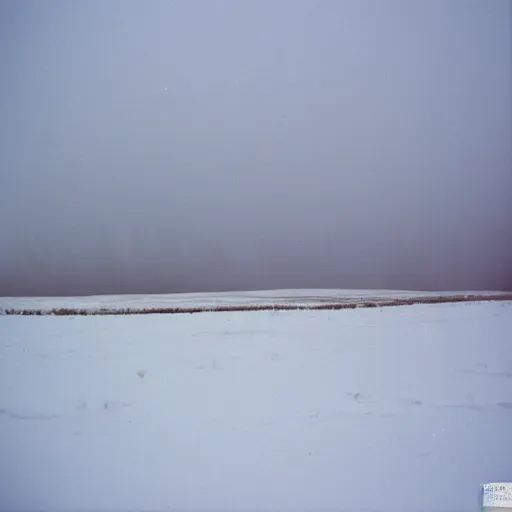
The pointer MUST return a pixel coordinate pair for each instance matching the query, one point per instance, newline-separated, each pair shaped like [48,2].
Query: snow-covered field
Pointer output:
[392,409]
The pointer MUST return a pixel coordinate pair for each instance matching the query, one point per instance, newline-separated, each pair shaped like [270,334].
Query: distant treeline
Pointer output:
[255,307]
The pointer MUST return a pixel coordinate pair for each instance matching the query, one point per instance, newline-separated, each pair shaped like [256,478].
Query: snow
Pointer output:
[392,409]
[212,300]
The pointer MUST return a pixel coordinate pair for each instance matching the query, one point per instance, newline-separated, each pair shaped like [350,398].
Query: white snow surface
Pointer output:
[390,409]
[211,300]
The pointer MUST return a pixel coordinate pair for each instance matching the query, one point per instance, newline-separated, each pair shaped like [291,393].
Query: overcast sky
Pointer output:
[201,145]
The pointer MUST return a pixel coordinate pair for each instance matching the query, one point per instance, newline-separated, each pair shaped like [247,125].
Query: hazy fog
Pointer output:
[200,145]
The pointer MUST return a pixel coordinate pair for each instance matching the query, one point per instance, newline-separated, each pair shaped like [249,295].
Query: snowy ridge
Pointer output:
[191,302]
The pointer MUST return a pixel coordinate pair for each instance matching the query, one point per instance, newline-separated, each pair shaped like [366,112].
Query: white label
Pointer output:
[498,495]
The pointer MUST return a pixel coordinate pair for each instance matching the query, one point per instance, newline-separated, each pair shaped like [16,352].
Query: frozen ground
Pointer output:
[228,299]
[393,409]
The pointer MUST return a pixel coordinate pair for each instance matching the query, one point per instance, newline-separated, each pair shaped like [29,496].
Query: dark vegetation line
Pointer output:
[256,307]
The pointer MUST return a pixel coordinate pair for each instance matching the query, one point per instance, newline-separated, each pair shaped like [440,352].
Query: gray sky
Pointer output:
[168,146]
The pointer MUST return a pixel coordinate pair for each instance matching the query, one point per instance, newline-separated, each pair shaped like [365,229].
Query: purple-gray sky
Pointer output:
[168,146]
